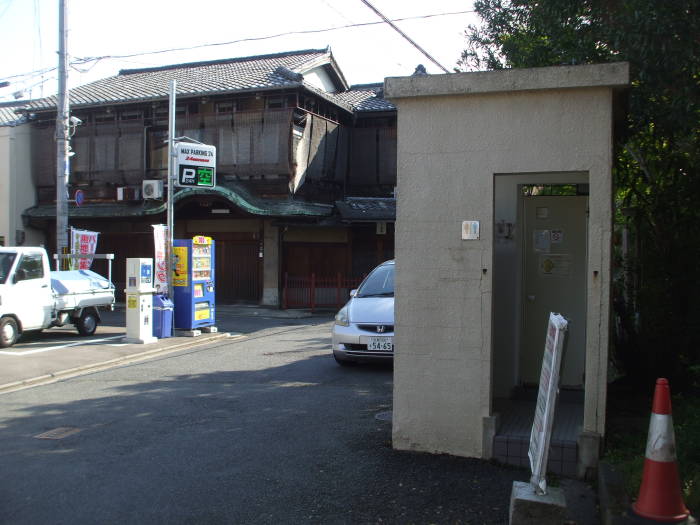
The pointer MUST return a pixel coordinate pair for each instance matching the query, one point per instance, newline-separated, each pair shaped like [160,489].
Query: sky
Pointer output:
[103,28]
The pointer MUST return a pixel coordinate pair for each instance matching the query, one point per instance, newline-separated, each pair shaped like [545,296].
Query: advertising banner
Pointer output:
[160,278]
[83,242]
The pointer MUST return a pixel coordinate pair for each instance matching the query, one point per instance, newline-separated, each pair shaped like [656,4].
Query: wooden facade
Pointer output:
[291,152]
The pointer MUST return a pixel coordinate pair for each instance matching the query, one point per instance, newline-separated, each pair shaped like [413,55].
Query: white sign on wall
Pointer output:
[470,230]
[546,402]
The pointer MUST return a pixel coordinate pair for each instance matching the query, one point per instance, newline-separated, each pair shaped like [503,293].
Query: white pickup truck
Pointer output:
[32,297]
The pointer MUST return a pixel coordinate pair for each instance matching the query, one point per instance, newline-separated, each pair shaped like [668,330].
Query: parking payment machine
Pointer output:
[193,283]
[139,301]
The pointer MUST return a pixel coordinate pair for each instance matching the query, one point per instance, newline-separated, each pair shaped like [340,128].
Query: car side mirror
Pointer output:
[353,293]
[20,275]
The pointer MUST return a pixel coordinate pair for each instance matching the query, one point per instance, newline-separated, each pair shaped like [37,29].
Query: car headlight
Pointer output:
[342,318]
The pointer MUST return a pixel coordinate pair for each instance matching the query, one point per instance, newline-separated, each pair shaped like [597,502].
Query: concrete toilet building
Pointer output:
[504,213]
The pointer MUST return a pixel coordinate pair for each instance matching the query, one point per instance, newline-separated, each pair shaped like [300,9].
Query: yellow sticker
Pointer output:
[180,272]
[201,314]
[547,265]
[132,302]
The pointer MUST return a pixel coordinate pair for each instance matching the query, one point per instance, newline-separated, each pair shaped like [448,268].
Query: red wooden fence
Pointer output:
[317,292]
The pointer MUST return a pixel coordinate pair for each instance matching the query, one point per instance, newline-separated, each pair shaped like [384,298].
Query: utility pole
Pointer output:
[62,133]
[169,255]
[410,40]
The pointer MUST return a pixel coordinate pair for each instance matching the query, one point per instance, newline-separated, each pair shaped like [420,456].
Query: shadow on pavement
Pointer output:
[306,441]
[274,445]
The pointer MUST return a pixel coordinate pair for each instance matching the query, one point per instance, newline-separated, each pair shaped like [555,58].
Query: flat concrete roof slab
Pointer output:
[612,75]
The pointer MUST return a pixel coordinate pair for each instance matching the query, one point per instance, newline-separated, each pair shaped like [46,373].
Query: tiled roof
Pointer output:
[366,97]
[261,72]
[8,117]
[356,209]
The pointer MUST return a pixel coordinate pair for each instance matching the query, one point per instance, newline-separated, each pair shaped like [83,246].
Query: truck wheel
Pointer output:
[87,324]
[8,332]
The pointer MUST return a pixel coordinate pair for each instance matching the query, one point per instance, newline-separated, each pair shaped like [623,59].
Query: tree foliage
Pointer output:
[657,170]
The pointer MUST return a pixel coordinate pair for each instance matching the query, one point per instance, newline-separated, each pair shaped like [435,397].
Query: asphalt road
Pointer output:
[265,429]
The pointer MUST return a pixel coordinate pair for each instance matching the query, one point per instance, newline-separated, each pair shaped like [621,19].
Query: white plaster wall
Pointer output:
[449,150]
[318,77]
[17,191]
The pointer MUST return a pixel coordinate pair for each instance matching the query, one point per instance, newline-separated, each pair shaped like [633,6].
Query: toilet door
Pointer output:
[555,246]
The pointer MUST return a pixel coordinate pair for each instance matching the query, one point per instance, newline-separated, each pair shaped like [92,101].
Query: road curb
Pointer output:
[103,365]
[612,498]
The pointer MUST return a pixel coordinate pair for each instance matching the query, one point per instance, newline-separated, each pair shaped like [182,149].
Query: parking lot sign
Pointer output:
[196,165]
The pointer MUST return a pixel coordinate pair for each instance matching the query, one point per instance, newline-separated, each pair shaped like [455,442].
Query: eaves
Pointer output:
[237,197]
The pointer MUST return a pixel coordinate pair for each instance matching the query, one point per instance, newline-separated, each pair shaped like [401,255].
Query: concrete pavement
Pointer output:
[58,353]
[265,428]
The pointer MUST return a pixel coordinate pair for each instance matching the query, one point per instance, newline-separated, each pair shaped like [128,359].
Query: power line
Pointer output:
[43,80]
[9,3]
[269,37]
[37,17]
[84,60]
[327,3]
[30,74]
[410,40]
[337,12]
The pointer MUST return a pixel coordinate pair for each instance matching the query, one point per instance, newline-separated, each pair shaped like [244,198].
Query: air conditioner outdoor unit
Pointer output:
[152,189]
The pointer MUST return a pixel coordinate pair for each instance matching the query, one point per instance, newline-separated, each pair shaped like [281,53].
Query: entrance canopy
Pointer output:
[234,194]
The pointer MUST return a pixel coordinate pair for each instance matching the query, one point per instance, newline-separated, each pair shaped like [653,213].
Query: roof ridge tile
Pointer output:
[252,58]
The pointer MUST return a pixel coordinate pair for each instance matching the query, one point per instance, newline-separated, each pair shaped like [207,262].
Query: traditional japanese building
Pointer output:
[306,168]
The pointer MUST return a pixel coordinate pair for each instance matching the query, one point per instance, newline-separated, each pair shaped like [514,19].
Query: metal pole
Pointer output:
[62,133]
[171,179]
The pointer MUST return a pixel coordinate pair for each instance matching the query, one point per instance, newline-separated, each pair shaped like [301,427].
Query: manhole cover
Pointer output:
[383,416]
[58,433]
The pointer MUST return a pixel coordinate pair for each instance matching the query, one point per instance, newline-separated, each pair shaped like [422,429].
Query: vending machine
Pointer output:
[193,283]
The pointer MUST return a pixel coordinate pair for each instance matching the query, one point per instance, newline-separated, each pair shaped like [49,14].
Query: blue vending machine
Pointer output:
[193,283]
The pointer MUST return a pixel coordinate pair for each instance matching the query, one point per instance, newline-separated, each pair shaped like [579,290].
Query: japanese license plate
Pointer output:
[382,344]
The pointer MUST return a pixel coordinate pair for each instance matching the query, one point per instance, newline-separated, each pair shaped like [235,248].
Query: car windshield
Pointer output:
[379,283]
[6,260]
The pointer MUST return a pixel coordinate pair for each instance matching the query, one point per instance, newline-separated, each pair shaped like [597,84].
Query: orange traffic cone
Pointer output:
[660,494]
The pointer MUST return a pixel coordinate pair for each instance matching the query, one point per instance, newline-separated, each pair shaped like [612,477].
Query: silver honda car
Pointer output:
[364,327]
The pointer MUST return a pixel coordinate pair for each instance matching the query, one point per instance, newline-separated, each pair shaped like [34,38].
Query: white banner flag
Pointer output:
[83,242]
[160,278]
